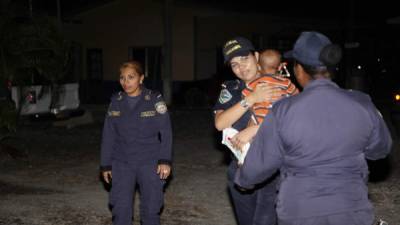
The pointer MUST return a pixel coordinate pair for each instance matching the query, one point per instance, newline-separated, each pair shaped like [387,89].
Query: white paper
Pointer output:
[227,134]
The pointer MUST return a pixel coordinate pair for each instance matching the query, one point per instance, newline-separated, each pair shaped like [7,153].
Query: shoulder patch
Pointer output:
[161,107]
[224,96]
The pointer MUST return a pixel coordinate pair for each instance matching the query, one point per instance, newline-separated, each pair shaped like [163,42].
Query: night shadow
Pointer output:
[272,181]
[379,170]
[217,138]
[8,188]
[228,192]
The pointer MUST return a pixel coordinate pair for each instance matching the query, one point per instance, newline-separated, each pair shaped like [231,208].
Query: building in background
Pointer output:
[120,30]
[179,41]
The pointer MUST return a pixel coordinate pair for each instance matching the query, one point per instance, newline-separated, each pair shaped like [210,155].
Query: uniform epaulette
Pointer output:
[160,105]
[231,84]
[157,94]
[118,96]
[152,94]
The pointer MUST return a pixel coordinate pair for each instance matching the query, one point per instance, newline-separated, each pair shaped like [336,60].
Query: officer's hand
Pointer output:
[107,176]
[264,92]
[164,171]
[238,141]
[243,137]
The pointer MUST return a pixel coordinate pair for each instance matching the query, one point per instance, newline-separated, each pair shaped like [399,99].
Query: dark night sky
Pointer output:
[338,9]
[320,9]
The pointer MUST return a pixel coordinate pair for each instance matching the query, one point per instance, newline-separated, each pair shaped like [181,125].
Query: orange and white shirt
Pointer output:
[261,109]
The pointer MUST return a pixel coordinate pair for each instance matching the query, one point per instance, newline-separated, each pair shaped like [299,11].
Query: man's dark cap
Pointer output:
[308,47]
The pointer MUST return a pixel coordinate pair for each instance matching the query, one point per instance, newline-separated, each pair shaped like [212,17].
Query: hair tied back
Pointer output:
[331,55]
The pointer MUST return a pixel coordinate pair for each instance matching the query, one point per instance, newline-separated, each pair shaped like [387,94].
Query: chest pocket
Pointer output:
[148,122]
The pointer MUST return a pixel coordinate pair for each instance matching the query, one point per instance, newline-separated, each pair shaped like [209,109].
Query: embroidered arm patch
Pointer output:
[161,107]
[224,96]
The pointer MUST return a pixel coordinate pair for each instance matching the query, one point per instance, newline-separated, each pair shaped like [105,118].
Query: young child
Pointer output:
[273,72]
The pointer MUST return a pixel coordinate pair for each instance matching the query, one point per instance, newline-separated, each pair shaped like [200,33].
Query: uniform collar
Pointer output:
[320,82]
[143,93]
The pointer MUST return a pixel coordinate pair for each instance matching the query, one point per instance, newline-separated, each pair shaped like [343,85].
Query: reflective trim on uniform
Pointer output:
[379,113]
[147,113]
[114,113]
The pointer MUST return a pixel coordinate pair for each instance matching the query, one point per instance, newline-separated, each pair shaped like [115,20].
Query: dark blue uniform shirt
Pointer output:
[231,94]
[319,139]
[141,134]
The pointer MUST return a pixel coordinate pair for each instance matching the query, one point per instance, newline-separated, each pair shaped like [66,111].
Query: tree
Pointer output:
[32,51]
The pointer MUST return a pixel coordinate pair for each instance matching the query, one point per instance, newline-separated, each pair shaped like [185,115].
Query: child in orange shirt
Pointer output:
[273,72]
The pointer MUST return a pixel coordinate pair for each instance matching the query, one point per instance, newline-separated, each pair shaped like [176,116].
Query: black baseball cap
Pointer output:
[238,46]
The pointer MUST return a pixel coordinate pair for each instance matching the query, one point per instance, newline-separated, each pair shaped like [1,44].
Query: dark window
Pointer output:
[150,58]
[95,64]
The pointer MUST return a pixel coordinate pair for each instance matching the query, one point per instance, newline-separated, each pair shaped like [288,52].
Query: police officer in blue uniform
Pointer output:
[255,206]
[319,140]
[136,148]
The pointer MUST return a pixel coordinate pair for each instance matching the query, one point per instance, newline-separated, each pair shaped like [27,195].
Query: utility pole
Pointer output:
[167,72]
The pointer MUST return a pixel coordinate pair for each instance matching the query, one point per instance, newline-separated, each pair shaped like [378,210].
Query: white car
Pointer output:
[38,99]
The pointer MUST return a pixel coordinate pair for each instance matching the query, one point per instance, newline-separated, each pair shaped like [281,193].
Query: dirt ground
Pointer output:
[57,182]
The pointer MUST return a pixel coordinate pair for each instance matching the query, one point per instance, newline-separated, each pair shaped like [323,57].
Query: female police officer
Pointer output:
[136,148]
[254,206]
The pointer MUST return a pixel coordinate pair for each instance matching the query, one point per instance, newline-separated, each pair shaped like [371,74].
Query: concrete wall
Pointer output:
[197,34]
[182,45]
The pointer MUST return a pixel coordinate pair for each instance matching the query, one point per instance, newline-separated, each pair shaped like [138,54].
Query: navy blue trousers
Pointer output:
[125,177]
[362,217]
[254,207]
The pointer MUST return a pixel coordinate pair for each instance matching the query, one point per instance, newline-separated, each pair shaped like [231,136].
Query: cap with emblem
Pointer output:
[238,46]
